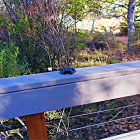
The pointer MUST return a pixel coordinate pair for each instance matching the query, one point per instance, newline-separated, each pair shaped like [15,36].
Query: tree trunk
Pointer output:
[93,22]
[139,38]
[131,24]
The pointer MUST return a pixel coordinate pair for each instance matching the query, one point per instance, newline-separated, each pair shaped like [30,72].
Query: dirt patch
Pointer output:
[122,39]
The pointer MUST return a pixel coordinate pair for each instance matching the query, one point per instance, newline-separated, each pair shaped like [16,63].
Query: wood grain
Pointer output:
[36,127]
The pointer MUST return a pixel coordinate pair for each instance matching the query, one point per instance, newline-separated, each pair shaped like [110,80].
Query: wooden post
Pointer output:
[36,127]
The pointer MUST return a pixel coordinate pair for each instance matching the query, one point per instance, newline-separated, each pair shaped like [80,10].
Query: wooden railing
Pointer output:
[30,95]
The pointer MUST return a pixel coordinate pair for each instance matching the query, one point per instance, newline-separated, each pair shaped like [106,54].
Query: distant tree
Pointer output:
[126,9]
[131,23]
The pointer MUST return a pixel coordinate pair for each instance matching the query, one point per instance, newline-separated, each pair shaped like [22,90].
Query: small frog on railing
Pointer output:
[67,70]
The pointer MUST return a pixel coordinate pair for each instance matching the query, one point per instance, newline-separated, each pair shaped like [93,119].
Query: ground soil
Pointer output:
[122,38]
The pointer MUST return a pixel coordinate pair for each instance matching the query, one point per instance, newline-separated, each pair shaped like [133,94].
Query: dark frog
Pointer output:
[67,70]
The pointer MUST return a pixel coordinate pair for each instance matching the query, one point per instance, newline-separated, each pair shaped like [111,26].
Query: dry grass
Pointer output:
[114,52]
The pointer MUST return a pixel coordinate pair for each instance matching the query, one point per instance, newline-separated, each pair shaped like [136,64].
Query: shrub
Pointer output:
[9,64]
[40,39]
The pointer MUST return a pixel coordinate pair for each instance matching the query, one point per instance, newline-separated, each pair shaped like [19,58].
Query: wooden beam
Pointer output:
[51,91]
[36,127]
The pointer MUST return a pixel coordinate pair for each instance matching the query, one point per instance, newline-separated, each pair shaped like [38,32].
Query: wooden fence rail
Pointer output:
[30,95]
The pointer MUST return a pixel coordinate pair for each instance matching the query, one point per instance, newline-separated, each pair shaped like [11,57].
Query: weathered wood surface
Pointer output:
[30,94]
